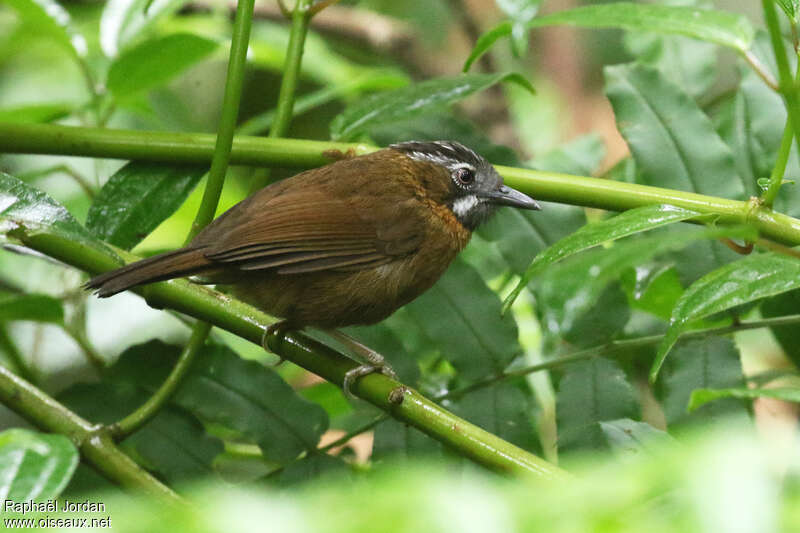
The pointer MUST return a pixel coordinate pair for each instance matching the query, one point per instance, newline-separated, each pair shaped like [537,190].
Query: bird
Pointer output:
[343,244]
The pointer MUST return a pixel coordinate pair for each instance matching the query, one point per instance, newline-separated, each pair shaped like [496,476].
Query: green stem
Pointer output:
[150,408]
[230,112]
[615,346]
[301,16]
[788,90]
[95,445]
[247,322]
[92,355]
[258,151]
[776,177]
[21,366]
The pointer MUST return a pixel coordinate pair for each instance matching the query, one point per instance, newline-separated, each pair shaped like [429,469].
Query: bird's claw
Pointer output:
[364,370]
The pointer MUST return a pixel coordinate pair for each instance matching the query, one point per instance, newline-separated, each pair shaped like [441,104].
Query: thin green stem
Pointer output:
[776,177]
[787,85]
[96,446]
[10,348]
[259,151]
[230,112]
[150,408]
[615,346]
[92,355]
[301,16]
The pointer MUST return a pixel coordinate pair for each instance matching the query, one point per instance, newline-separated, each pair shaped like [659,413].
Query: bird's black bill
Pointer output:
[505,195]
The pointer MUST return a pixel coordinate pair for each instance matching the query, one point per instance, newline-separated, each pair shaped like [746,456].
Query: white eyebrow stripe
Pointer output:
[456,166]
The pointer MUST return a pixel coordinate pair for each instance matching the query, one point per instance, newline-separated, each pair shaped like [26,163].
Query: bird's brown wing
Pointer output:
[300,230]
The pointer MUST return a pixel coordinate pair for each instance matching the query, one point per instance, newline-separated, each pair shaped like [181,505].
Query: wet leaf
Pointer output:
[622,225]
[718,27]
[137,198]
[752,278]
[152,63]
[34,466]
[413,100]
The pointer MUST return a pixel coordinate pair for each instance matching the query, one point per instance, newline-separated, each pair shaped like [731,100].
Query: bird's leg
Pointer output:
[374,362]
[276,328]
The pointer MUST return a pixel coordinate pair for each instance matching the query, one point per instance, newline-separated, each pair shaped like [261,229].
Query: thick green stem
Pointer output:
[230,112]
[95,445]
[247,322]
[776,177]
[301,16]
[150,408]
[259,151]
[787,84]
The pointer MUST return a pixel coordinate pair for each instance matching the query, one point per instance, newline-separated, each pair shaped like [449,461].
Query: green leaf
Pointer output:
[123,21]
[653,288]
[414,100]
[50,18]
[35,113]
[752,278]
[713,362]
[791,8]
[629,437]
[689,63]
[520,12]
[152,63]
[462,315]
[393,440]
[627,223]
[37,307]
[703,396]
[788,337]
[567,290]
[137,198]
[225,389]
[34,466]
[719,27]
[590,392]
[673,142]
[22,206]
[173,443]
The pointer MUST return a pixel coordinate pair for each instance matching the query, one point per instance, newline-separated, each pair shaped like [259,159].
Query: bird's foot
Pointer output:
[374,362]
[276,330]
[363,370]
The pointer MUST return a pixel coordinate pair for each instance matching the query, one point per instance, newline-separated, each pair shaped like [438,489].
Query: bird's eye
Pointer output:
[464,176]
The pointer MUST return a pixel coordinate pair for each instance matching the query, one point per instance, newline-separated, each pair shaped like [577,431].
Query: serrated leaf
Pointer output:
[622,225]
[673,142]
[567,290]
[242,395]
[35,113]
[137,198]
[50,18]
[719,27]
[254,400]
[173,443]
[123,21]
[791,8]
[152,63]
[34,466]
[752,278]
[462,315]
[36,307]
[23,206]
[701,397]
[414,100]
[591,392]
[712,362]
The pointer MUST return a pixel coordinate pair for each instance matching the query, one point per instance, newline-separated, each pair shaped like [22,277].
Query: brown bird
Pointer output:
[343,244]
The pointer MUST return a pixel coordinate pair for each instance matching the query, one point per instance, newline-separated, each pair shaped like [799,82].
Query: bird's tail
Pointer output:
[157,268]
